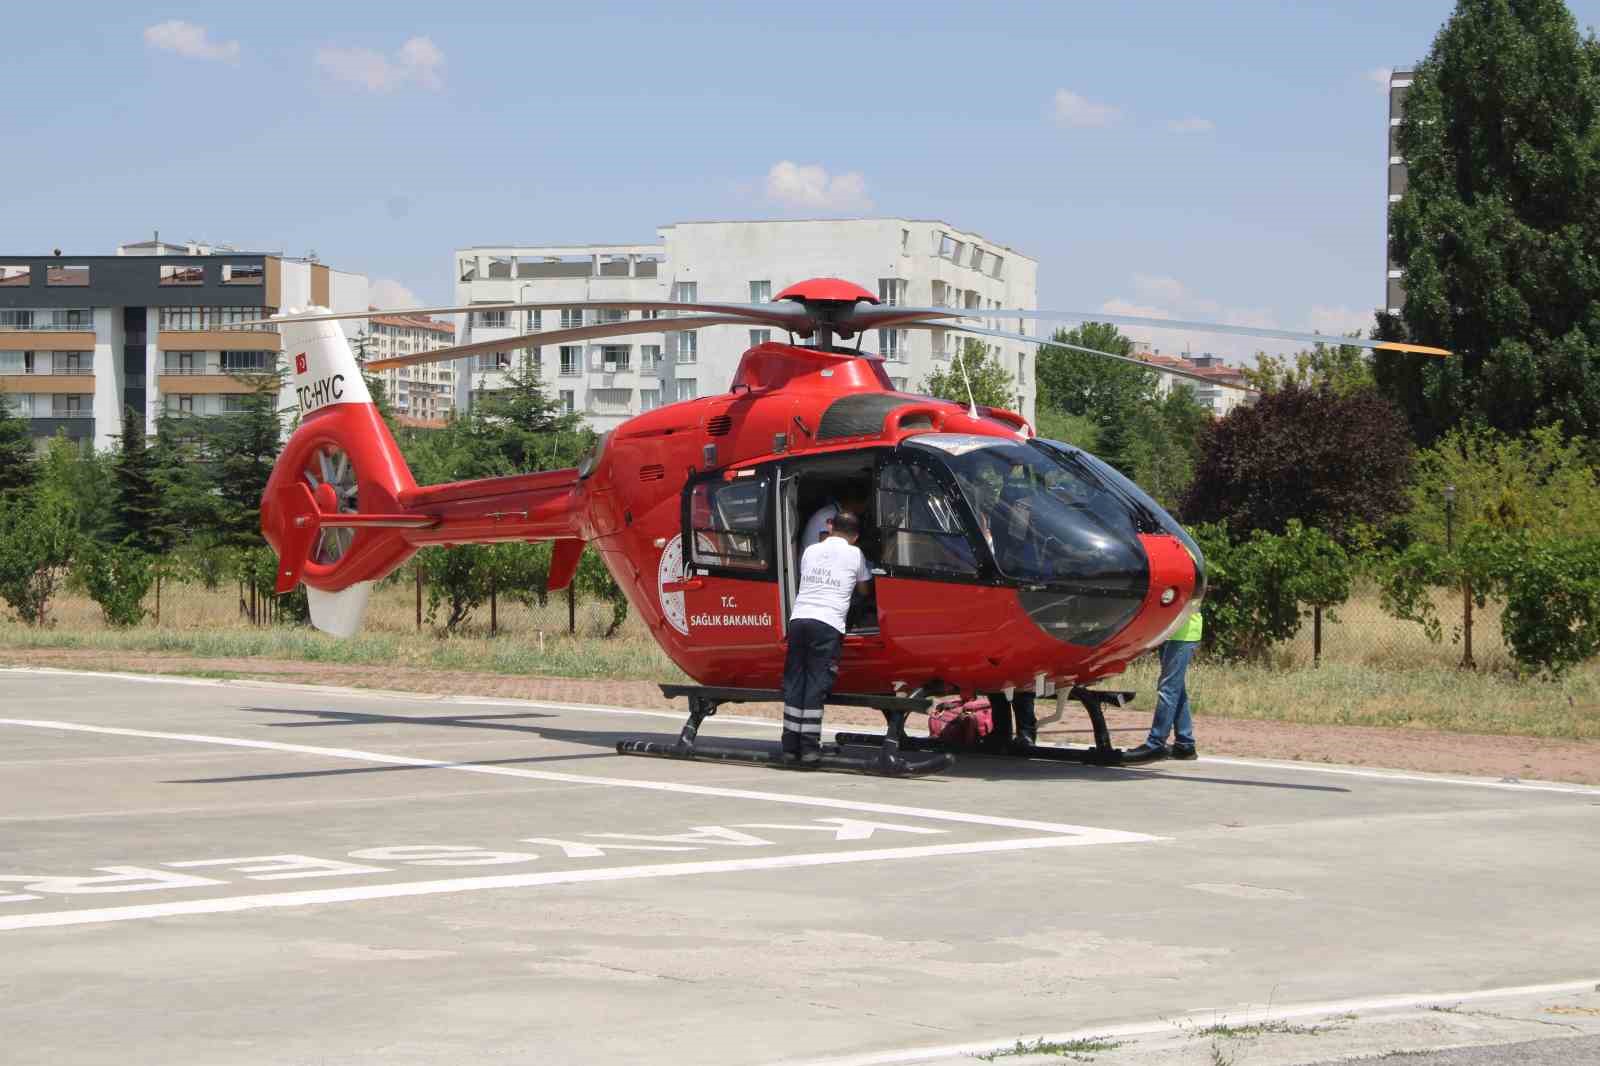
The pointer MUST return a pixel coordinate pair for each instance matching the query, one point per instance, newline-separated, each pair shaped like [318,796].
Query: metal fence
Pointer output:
[1361,632]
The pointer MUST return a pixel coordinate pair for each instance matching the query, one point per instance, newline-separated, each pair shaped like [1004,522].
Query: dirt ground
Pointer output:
[1525,758]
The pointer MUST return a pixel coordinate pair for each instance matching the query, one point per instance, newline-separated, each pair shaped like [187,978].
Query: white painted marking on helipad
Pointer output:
[1104,836]
[1379,774]
[1165,1025]
[228,904]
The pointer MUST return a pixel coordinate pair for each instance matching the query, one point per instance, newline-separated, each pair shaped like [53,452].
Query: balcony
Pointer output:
[76,426]
[80,383]
[613,376]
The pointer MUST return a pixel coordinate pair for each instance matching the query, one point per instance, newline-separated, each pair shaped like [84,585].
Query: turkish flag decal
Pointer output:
[300,363]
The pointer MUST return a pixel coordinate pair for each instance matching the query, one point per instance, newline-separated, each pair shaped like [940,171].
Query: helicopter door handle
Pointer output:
[880,571]
[686,585]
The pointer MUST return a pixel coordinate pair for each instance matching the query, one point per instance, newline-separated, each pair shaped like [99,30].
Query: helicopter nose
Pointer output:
[1124,610]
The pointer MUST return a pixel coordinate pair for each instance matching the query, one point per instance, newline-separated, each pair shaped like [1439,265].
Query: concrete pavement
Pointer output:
[235,873]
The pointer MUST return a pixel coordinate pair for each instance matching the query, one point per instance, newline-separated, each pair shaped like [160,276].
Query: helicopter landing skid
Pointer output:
[1103,753]
[889,760]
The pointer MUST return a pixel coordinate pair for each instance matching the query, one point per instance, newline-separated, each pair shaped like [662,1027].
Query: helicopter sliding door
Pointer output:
[933,581]
[730,565]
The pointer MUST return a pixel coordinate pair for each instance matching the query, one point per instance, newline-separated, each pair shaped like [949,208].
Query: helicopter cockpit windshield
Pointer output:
[1046,521]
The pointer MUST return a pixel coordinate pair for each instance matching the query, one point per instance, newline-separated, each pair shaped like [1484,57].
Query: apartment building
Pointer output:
[1224,390]
[1394,293]
[917,262]
[153,327]
[419,395]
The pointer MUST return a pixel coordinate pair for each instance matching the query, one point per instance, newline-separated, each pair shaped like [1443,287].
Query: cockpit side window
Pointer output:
[921,527]
[730,524]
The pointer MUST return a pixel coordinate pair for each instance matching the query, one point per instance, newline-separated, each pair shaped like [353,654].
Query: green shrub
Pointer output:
[1260,590]
[117,579]
[38,537]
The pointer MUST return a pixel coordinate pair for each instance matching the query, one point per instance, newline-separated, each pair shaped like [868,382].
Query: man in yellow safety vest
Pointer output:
[1172,698]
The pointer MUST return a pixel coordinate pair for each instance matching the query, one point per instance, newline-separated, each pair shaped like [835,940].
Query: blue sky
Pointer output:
[1213,160]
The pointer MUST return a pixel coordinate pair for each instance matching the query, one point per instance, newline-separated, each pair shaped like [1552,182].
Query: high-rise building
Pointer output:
[1394,292]
[919,262]
[83,337]
[423,394]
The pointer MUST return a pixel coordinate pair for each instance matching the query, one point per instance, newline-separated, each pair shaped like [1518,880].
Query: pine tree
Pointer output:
[17,467]
[521,428]
[138,503]
[242,447]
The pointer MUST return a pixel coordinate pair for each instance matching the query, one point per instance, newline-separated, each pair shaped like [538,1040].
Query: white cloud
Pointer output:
[418,61]
[810,186]
[1191,125]
[1379,76]
[1076,111]
[391,295]
[187,39]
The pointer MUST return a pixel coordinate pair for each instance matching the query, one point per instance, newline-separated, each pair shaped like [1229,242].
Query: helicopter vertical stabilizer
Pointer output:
[323,369]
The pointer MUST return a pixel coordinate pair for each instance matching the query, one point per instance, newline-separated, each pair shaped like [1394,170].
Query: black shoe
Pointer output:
[1022,745]
[809,760]
[1186,752]
[1146,752]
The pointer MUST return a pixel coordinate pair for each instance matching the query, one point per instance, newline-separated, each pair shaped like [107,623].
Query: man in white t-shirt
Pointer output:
[831,571]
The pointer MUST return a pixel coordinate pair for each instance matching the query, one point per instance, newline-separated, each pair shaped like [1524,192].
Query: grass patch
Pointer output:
[1223,1031]
[1375,671]
[1082,1050]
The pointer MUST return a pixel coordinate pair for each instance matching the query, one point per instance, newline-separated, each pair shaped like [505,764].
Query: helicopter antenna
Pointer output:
[972,405]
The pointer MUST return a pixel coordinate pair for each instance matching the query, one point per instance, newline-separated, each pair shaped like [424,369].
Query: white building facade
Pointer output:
[915,262]
[424,393]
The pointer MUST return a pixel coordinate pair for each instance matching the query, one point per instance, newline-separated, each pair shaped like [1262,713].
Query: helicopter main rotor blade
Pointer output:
[560,336]
[1046,342]
[1206,327]
[789,316]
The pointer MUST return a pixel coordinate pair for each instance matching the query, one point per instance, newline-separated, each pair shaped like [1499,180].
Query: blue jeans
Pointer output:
[1172,695]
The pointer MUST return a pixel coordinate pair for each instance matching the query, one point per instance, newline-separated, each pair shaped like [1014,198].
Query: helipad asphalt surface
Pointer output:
[231,873]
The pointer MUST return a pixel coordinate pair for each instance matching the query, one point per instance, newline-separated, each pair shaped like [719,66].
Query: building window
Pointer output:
[571,360]
[649,358]
[489,320]
[18,274]
[729,523]
[649,399]
[905,242]
[892,291]
[180,362]
[16,320]
[760,336]
[949,247]
[684,292]
[71,362]
[616,358]
[69,406]
[1022,369]
[535,322]
[892,345]
[761,292]
[197,318]
[571,317]
[995,270]
[493,361]
[611,315]
[569,401]
[248,362]
[69,276]
[185,404]
[977,258]
[232,403]
[244,274]
[182,274]
[686,388]
[688,347]
[898,383]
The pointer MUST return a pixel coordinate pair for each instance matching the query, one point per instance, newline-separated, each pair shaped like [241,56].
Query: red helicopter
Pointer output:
[998,557]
